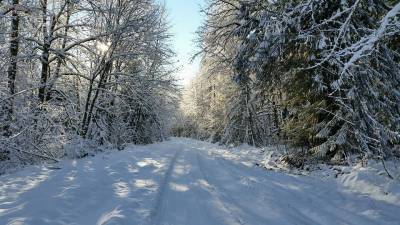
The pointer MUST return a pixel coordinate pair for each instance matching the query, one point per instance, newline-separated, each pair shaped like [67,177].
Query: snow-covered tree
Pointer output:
[325,71]
[204,104]
[82,70]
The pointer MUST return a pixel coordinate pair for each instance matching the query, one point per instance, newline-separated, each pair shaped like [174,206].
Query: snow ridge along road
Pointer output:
[180,182]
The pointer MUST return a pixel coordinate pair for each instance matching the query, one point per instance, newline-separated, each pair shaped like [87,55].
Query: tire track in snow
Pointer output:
[221,197]
[258,187]
[342,215]
[157,212]
[261,187]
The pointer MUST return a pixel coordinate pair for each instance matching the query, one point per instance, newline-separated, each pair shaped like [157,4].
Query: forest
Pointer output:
[82,72]
[292,116]
[318,77]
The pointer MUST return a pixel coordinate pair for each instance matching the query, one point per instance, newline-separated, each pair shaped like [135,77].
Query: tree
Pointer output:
[97,72]
[323,69]
[12,66]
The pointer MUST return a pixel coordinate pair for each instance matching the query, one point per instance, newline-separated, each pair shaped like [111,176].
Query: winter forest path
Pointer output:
[179,182]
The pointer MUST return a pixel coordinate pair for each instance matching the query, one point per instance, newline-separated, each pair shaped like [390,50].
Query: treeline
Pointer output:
[323,74]
[96,70]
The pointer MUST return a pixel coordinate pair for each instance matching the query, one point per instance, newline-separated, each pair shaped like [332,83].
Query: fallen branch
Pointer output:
[387,172]
[35,154]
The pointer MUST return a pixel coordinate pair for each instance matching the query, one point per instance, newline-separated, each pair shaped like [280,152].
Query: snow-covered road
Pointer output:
[180,182]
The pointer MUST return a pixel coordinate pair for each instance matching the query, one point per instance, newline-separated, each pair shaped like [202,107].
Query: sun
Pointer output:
[103,47]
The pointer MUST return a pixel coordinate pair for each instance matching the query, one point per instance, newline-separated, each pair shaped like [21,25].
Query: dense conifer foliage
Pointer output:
[321,74]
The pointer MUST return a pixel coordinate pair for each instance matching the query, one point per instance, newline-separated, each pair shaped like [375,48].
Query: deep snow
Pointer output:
[188,182]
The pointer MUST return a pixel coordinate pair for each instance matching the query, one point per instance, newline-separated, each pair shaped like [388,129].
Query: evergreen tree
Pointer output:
[326,68]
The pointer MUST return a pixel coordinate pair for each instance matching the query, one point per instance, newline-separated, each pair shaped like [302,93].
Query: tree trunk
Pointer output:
[90,104]
[59,59]
[12,68]
[44,75]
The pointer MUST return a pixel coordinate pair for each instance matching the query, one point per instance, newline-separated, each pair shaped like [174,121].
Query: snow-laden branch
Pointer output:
[389,26]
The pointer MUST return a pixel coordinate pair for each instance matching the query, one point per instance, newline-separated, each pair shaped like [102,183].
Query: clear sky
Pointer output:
[185,18]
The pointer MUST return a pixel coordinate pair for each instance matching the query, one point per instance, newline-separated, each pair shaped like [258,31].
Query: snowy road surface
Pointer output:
[180,182]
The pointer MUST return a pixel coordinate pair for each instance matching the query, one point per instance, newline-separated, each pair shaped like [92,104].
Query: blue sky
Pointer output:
[185,18]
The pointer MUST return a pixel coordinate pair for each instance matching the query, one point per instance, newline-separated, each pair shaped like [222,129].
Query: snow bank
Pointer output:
[370,179]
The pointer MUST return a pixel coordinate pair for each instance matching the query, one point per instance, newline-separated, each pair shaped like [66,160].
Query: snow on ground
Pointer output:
[188,182]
